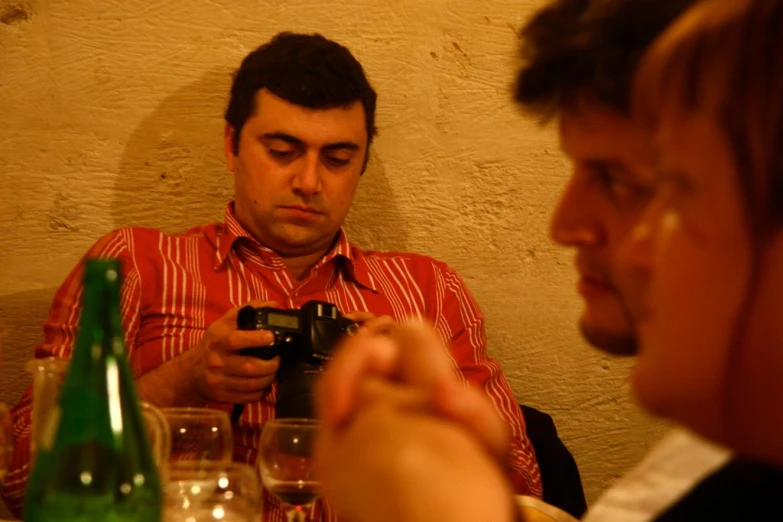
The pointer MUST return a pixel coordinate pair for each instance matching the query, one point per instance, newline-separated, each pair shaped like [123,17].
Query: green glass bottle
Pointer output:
[95,463]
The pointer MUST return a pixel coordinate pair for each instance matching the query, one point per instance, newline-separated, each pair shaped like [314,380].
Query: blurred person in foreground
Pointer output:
[701,272]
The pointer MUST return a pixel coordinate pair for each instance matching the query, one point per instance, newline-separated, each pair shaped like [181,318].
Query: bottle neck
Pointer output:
[100,323]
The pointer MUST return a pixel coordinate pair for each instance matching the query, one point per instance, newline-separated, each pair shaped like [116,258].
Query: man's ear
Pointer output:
[228,147]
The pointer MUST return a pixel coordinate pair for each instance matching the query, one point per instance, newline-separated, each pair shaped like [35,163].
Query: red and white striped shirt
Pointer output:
[175,286]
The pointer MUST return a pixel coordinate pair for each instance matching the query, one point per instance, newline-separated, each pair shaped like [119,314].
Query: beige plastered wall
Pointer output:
[111,115]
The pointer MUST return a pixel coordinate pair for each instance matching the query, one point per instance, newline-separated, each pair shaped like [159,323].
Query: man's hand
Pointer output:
[411,354]
[396,461]
[368,322]
[220,373]
[214,370]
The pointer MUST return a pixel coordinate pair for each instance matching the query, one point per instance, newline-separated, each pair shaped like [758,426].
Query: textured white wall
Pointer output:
[111,115]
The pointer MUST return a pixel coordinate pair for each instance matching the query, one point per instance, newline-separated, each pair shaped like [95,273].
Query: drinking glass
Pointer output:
[48,376]
[287,466]
[204,490]
[199,434]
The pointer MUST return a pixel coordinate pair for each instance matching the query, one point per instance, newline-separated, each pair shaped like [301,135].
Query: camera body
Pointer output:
[304,339]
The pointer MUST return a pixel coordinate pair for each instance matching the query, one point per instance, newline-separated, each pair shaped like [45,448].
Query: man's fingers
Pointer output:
[423,359]
[411,353]
[372,391]
[246,366]
[247,385]
[473,410]
[239,339]
[356,357]
[464,405]
[383,325]
[359,316]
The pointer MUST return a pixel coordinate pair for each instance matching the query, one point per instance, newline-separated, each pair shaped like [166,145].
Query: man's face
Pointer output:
[296,172]
[611,184]
[685,271]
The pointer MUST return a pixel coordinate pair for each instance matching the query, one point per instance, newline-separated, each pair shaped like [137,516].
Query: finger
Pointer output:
[372,391]
[247,385]
[359,316]
[473,410]
[423,358]
[380,325]
[465,406]
[238,339]
[248,366]
[355,357]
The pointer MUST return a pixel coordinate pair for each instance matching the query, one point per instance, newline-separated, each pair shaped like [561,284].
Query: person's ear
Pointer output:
[228,148]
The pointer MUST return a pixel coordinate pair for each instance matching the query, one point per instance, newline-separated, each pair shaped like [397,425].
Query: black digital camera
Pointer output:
[304,340]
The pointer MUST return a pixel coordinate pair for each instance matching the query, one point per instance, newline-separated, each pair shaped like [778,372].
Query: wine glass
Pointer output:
[211,491]
[199,434]
[287,466]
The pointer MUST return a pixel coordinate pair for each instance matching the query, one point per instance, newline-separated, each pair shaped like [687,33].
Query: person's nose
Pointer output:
[307,180]
[574,222]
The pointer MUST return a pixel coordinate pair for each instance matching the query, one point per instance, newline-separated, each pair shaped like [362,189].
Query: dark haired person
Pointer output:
[299,124]
[580,59]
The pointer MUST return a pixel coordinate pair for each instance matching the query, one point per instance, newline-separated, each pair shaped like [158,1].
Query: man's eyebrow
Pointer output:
[293,140]
[282,136]
[342,145]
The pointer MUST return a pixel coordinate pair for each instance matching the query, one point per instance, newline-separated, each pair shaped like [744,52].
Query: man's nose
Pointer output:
[574,222]
[307,179]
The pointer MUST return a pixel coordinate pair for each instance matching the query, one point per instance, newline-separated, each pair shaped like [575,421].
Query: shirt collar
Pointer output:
[343,254]
[232,232]
[352,259]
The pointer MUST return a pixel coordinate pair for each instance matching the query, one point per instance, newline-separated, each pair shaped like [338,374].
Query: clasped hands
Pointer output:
[403,437]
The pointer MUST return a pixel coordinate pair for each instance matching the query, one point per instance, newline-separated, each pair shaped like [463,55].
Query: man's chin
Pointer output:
[615,343]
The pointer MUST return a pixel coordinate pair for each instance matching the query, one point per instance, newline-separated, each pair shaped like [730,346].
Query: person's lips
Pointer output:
[589,286]
[303,208]
[302,211]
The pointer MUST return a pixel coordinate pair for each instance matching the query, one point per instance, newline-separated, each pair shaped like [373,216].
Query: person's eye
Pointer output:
[624,191]
[281,153]
[334,161]
[630,192]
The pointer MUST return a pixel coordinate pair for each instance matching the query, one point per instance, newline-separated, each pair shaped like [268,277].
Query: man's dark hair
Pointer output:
[576,48]
[303,69]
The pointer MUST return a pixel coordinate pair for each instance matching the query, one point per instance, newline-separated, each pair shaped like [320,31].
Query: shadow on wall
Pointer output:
[375,221]
[173,176]
[21,319]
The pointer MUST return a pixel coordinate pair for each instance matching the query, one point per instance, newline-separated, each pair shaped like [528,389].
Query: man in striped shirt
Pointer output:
[299,125]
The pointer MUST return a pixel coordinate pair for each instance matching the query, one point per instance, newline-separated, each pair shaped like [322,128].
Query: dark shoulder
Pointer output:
[740,490]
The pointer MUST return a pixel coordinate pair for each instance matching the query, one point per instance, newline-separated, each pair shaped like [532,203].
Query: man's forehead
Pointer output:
[595,133]
[266,101]
[275,115]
